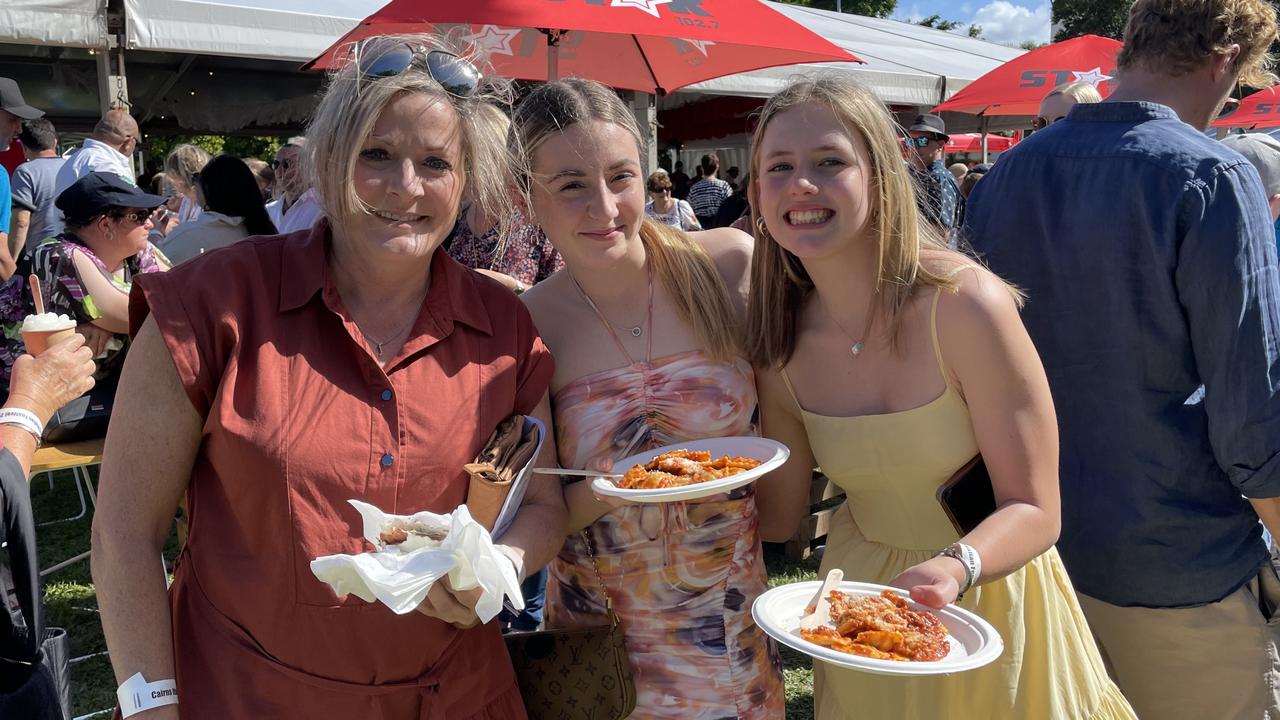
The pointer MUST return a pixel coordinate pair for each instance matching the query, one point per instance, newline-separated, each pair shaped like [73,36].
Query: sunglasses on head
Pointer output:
[457,76]
[137,217]
[922,141]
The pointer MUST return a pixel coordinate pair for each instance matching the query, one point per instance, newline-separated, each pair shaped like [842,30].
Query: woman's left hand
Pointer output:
[933,582]
[458,608]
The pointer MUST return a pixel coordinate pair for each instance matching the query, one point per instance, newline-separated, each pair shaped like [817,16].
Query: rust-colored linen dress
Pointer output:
[300,418]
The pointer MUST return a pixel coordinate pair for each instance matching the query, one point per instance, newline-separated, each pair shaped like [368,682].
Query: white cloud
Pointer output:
[1004,22]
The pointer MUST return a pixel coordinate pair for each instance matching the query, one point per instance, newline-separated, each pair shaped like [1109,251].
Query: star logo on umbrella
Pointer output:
[699,45]
[649,6]
[1094,77]
[493,39]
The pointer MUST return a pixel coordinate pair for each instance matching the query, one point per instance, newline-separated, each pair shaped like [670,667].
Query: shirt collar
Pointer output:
[90,142]
[454,295]
[1128,111]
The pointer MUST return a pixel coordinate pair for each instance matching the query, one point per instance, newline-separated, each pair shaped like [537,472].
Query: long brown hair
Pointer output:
[779,283]
[679,263]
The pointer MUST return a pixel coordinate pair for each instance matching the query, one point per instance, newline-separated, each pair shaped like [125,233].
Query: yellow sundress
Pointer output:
[890,467]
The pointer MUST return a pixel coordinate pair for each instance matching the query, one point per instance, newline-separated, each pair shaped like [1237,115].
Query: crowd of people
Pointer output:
[1094,316]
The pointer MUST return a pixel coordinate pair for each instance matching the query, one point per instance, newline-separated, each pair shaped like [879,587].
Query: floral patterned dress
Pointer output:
[682,576]
[51,261]
[527,255]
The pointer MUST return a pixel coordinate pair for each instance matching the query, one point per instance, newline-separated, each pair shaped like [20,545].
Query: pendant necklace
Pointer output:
[635,330]
[377,344]
[857,344]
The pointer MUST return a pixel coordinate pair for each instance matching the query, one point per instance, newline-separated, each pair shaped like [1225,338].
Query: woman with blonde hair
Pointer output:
[1061,99]
[891,362]
[182,166]
[666,209]
[646,321]
[352,359]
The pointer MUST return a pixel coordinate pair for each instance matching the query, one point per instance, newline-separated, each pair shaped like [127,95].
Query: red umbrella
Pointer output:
[1259,110]
[655,46]
[1018,86]
[972,142]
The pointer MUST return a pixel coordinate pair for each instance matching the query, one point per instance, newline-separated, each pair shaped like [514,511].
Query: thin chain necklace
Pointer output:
[858,345]
[377,344]
[635,330]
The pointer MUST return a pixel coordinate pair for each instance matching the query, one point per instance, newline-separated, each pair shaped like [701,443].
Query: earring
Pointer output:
[761,228]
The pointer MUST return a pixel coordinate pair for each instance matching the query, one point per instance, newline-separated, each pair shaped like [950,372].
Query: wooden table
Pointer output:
[76,457]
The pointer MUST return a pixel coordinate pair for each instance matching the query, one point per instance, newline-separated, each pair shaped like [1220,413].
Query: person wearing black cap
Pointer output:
[13,110]
[937,192]
[87,271]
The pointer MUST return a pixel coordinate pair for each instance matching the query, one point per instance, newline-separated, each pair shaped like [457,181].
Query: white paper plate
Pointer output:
[770,453]
[974,642]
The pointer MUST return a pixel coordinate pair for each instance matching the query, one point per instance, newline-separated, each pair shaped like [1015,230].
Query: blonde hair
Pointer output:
[779,283]
[679,263]
[351,105]
[182,164]
[1174,37]
[1079,92]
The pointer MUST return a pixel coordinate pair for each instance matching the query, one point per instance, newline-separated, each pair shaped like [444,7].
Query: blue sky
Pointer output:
[1004,21]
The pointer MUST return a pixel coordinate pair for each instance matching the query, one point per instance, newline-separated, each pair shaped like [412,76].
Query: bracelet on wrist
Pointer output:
[971,561]
[24,419]
[137,695]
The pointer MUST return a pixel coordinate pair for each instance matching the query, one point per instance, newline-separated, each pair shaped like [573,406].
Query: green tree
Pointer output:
[1072,18]
[1031,45]
[938,23]
[241,146]
[869,8]
[975,31]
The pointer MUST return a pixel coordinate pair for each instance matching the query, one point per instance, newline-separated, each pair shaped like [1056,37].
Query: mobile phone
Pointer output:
[967,497]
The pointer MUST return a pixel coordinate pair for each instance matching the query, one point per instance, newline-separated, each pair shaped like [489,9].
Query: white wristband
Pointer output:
[24,419]
[137,695]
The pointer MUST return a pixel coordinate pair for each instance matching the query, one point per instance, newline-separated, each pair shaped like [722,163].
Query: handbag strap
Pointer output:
[595,566]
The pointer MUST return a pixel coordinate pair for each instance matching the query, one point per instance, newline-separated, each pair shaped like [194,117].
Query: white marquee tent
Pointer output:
[905,64]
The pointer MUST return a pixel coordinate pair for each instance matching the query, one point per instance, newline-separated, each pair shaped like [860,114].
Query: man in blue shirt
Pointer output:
[937,192]
[13,110]
[1147,253]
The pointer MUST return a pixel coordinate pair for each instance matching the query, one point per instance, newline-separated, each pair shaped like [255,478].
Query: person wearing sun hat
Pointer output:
[937,192]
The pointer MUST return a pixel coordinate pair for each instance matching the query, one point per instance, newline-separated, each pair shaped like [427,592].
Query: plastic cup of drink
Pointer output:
[41,331]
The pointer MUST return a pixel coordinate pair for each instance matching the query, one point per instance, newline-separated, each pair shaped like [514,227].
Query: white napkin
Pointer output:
[402,579]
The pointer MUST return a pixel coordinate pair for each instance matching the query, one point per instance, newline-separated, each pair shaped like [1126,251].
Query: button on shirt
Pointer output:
[295,425]
[938,195]
[1149,259]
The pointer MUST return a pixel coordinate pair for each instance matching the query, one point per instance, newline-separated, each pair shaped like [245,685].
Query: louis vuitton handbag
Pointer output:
[579,673]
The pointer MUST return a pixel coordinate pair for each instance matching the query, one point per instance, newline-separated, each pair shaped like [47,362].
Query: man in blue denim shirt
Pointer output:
[1147,253]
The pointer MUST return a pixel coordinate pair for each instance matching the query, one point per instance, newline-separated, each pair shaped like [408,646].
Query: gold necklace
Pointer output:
[858,345]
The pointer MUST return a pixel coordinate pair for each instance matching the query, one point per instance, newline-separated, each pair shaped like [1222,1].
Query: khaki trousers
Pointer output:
[1215,662]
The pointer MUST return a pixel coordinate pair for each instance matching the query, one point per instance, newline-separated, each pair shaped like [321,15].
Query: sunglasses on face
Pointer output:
[277,164]
[659,189]
[920,142]
[457,76]
[1040,122]
[137,217]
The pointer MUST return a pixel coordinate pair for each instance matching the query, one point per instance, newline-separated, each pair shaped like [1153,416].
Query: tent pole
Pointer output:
[983,126]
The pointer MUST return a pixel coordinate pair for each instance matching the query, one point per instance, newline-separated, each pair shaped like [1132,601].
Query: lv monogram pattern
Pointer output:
[579,674]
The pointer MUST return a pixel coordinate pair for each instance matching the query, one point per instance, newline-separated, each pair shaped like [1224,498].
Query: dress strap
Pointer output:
[933,325]
[786,380]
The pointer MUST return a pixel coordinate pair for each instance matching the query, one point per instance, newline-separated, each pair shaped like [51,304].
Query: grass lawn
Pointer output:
[73,604]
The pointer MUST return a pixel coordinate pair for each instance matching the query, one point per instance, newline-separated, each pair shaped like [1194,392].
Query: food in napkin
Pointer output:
[499,470]
[400,574]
